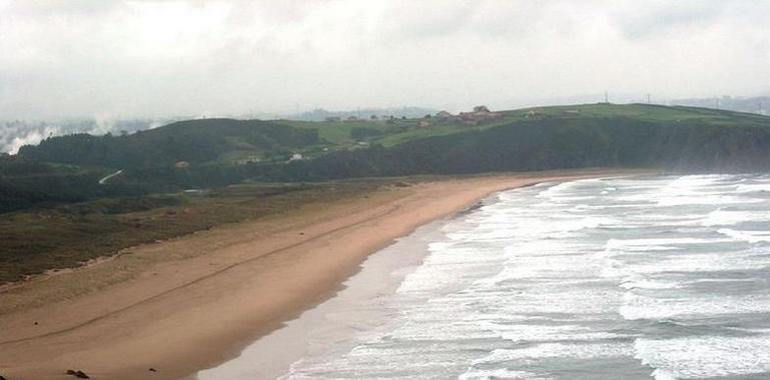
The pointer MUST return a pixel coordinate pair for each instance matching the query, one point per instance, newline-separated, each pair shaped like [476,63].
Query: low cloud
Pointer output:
[160,58]
[14,137]
[650,19]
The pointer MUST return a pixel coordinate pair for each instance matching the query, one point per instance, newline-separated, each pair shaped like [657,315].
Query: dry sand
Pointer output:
[190,303]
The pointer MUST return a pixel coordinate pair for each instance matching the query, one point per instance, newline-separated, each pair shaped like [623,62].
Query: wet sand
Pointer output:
[360,305]
[190,303]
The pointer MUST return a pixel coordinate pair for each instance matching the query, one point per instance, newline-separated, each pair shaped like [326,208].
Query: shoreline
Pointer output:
[359,304]
[183,312]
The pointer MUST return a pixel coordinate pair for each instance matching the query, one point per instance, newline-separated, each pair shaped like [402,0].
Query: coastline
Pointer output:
[360,304]
[196,301]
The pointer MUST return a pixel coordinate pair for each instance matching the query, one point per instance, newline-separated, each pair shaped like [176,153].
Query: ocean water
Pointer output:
[619,278]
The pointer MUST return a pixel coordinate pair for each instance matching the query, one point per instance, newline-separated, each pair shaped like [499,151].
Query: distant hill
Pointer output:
[684,139]
[320,114]
[757,104]
[192,142]
[218,152]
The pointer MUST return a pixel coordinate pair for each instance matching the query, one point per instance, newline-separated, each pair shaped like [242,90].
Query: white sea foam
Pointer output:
[636,306]
[558,189]
[721,217]
[655,244]
[661,374]
[706,356]
[703,199]
[751,188]
[558,275]
[632,282]
[749,236]
[547,333]
[556,350]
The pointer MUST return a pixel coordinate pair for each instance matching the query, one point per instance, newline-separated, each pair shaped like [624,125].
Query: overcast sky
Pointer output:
[162,58]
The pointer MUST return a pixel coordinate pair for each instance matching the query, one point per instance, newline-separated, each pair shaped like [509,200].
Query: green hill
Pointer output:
[218,152]
[192,141]
[679,139]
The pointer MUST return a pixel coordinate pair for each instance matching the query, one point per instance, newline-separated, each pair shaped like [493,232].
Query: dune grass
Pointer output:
[33,241]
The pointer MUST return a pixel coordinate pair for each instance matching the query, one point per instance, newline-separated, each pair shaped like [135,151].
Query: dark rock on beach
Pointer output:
[79,374]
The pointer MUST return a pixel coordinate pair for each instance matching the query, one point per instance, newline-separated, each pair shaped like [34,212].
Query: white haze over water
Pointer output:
[622,278]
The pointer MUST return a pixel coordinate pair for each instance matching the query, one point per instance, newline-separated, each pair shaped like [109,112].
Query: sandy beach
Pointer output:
[189,303]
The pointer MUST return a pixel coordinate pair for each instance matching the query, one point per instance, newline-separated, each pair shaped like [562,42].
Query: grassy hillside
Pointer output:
[402,131]
[218,152]
[33,241]
[192,141]
[227,141]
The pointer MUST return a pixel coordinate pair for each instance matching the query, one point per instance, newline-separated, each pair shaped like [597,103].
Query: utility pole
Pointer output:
[606,97]
[648,99]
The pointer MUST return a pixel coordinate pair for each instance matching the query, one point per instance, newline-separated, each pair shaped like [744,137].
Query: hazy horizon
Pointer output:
[162,59]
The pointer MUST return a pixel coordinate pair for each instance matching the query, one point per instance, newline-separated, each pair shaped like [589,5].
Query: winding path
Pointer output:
[105,179]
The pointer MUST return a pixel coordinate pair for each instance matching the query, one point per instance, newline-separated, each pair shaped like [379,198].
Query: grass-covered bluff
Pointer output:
[218,152]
